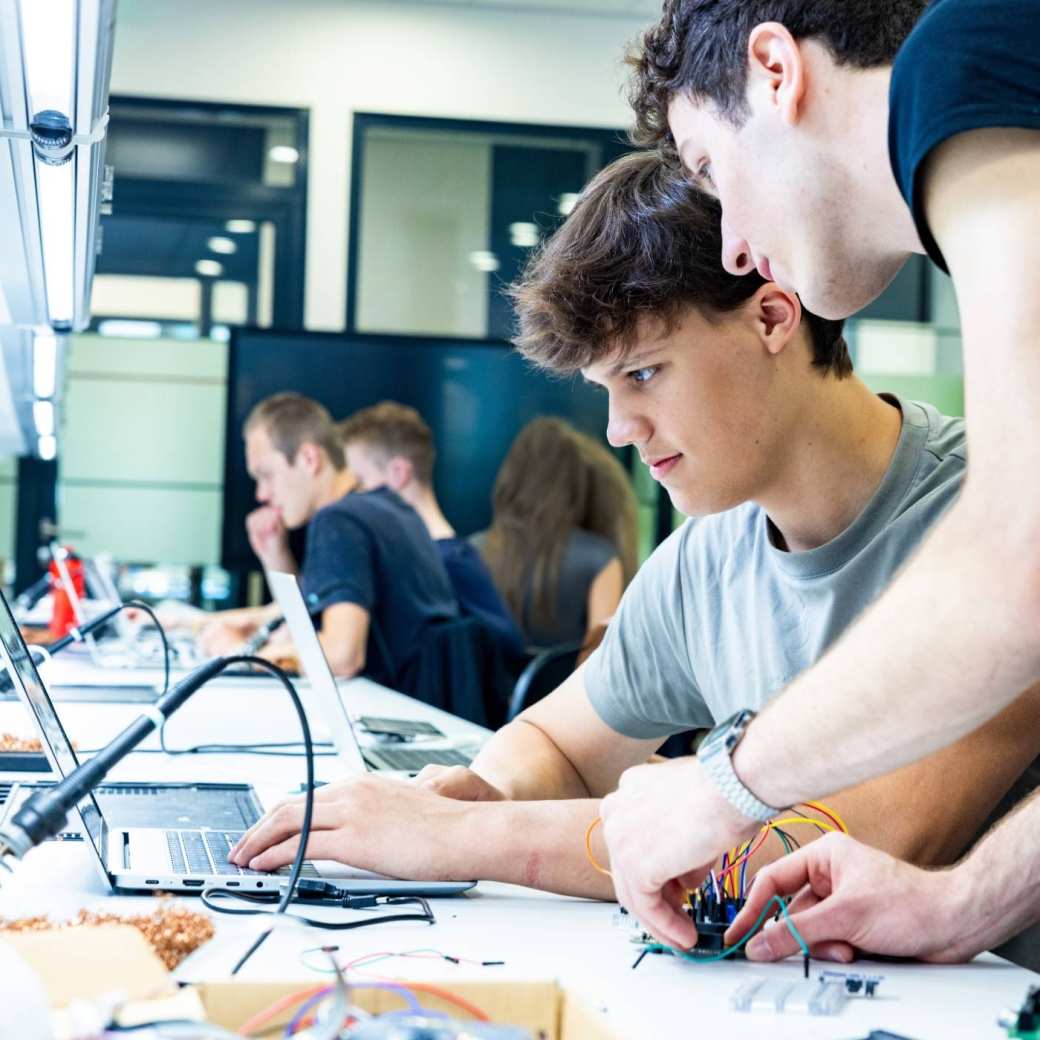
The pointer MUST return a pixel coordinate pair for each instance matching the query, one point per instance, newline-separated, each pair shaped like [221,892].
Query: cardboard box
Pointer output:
[85,963]
[548,1011]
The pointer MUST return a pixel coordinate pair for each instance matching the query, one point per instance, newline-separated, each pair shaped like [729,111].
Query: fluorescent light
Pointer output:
[524,234]
[43,416]
[238,226]
[566,203]
[47,447]
[126,329]
[45,364]
[49,47]
[219,244]
[209,268]
[484,260]
[55,191]
[220,334]
[283,153]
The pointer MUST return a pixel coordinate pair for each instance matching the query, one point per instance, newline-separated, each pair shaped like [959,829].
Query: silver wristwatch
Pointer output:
[716,756]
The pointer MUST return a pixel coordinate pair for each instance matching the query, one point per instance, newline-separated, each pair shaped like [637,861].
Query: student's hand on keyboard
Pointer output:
[224,636]
[458,782]
[370,822]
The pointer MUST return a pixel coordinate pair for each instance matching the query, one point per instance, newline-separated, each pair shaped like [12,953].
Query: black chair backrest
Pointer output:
[546,671]
[460,669]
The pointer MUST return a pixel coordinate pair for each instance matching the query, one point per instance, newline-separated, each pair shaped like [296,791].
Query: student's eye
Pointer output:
[642,376]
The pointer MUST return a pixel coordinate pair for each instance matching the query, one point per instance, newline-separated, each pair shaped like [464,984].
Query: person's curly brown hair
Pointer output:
[699,49]
[642,243]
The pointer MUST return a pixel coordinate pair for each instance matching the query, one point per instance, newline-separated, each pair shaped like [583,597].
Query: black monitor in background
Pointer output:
[475,395]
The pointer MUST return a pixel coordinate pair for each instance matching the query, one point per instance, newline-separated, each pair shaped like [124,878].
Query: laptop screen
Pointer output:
[18,664]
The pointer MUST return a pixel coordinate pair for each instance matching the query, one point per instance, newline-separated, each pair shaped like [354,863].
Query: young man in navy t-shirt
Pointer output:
[389,445]
[370,570]
[841,137]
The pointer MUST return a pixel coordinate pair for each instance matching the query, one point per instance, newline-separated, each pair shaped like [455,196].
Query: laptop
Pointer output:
[323,699]
[165,857]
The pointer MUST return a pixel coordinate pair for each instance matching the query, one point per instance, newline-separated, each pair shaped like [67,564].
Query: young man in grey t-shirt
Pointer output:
[812,492]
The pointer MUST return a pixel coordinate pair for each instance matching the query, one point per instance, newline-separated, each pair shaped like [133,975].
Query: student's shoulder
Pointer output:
[702,547]
[945,436]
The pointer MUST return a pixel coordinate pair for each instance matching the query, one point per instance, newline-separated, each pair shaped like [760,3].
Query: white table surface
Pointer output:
[539,936]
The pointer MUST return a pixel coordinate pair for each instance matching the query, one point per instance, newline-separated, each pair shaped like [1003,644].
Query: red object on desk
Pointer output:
[63,617]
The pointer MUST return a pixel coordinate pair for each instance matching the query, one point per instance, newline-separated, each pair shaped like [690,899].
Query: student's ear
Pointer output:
[776,67]
[777,315]
[399,472]
[309,456]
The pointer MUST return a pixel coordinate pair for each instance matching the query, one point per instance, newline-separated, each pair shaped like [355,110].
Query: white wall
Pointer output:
[335,57]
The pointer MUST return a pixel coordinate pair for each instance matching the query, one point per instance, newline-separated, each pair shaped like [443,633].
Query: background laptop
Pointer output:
[232,806]
[169,858]
[324,701]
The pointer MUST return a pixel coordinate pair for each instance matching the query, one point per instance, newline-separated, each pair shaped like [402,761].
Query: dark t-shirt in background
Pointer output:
[584,557]
[967,65]
[476,593]
[371,548]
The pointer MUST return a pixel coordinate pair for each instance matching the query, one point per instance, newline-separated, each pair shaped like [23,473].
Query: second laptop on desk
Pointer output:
[323,700]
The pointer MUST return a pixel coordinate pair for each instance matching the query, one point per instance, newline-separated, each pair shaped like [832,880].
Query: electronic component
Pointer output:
[398,729]
[711,915]
[826,996]
[1023,1023]
[787,996]
[854,981]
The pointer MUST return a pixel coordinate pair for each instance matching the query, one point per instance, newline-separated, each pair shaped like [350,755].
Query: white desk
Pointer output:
[538,936]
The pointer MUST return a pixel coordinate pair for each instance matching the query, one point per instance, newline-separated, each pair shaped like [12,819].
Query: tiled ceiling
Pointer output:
[643,10]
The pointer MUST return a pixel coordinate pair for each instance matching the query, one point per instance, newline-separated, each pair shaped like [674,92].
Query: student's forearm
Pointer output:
[943,650]
[538,844]
[994,893]
[523,763]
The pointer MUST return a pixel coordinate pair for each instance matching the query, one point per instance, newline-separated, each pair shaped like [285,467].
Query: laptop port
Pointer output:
[151,881]
[233,884]
[193,884]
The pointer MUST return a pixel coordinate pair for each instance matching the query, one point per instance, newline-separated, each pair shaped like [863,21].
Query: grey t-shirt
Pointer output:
[719,619]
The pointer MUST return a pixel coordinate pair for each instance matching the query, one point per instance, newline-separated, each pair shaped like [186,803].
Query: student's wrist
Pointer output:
[758,771]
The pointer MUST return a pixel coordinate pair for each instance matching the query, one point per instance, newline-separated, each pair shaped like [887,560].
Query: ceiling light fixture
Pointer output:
[566,202]
[47,448]
[209,268]
[283,153]
[524,234]
[43,417]
[239,226]
[45,364]
[219,244]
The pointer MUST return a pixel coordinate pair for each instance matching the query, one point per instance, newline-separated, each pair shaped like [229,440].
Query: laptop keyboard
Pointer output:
[413,759]
[205,852]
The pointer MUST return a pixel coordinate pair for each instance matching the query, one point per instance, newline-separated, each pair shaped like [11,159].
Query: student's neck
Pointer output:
[339,483]
[835,462]
[864,117]
[422,499]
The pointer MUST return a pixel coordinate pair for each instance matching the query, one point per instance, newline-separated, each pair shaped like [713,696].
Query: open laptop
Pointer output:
[168,858]
[325,701]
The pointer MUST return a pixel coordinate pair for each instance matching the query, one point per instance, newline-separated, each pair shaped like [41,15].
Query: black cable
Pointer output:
[138,604]
[308,798]
[346,901]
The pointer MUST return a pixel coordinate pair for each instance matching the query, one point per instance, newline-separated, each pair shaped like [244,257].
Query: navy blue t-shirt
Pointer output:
[371,548]
[475,590]
[967,65]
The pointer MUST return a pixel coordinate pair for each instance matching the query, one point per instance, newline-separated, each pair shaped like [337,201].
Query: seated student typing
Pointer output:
[811,492]
[389,445]
[370,569]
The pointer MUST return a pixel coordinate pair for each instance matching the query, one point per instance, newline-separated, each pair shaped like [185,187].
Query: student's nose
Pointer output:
[626,428]
[736,253]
